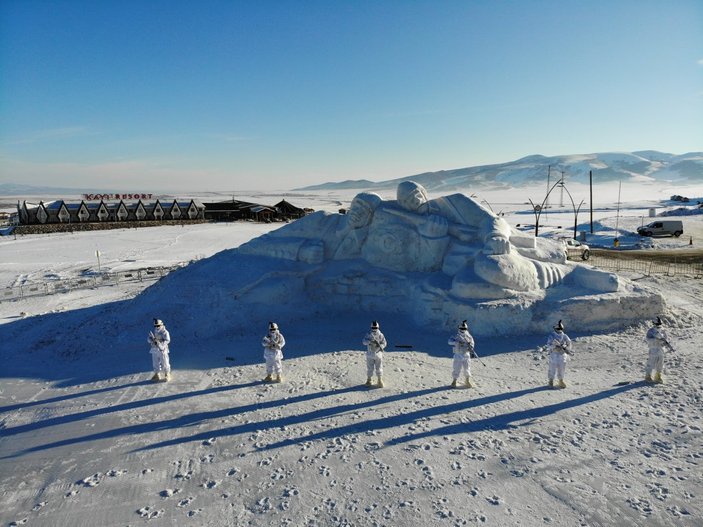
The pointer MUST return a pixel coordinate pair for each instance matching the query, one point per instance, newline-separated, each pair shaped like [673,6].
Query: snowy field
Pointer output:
[86,439]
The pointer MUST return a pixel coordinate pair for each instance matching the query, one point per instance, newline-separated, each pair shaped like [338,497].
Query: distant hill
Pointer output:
[647,165]
[14,189]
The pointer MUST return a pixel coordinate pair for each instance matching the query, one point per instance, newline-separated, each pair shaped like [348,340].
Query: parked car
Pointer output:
[662,228]
[576,249]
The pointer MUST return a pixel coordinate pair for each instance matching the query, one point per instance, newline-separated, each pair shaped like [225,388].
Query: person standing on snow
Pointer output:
[463,344]
[657,340]
[375,344]
[159,339]
[273,353]
[559,345]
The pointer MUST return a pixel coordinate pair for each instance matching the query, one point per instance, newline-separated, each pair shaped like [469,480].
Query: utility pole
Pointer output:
[590,182]
[561,198]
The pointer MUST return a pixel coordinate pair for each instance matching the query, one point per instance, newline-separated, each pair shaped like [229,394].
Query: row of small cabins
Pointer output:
[61,211]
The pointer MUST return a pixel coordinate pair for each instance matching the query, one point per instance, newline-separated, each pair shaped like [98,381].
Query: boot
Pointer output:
[658,378]
[268,378]
[562,384]
[368,382]
[454,383]
[551,383]
[168,377]
[648,378]
[380,382]
[468,383]
[279,378]
[155,378]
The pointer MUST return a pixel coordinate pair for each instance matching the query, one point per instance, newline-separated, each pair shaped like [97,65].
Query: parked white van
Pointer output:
[662,228]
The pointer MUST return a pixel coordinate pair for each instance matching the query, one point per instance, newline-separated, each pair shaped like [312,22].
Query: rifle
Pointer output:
[475,355]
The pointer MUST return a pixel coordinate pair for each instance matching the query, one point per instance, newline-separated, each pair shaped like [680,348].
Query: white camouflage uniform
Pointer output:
[559,345]
[657,339]
[159,339]
[273,351]
[463,344]
[375,343]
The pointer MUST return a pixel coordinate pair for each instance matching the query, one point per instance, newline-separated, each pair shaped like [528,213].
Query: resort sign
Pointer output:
[97,197]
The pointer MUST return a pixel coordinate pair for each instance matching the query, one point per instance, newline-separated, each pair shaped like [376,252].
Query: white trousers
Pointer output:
[159,360]
[374,361]
[274,361]
[557,366]
[655,361]
[462,362]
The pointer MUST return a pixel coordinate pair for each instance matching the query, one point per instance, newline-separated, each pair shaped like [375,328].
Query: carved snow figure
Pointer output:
[435,260]
[320,236]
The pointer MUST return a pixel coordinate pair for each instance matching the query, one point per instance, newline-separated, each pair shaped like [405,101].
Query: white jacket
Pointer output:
[374,341]
[559,343]
[656,338]
[274,341]
[462,342]
[159,339]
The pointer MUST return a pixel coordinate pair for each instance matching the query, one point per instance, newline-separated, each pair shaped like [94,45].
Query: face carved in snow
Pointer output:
[412,197]
[362,209]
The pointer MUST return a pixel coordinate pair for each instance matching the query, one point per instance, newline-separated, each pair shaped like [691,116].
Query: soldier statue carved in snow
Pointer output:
[435,259]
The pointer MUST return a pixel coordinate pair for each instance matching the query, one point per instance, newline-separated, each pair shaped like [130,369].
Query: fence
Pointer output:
[648,267]
[87,282]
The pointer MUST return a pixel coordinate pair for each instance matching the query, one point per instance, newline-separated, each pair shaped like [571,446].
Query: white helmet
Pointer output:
[464,326]
[559,326]
[273,326]
[374,325]
[158,323]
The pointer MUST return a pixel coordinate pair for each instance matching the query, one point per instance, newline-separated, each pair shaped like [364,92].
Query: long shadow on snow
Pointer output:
[151,401]
[196,418]
[504,421]
[493,423]
[70,396]
[498,422]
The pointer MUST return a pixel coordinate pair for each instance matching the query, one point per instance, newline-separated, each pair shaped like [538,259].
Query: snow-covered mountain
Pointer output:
[642,166]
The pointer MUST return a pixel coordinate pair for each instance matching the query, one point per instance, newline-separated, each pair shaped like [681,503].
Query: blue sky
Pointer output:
[229,95]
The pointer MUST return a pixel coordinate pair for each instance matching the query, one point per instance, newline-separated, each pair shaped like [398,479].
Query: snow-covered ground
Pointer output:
[85,439]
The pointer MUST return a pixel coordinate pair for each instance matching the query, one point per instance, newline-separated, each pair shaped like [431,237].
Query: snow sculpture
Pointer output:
[438,260]
[453,234]
[320,236]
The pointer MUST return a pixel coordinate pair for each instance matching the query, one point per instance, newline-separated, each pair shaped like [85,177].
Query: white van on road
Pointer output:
[662,228]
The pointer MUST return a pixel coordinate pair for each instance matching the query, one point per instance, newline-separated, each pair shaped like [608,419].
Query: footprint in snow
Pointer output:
[91,481]
[149,513]
[168,493]
[185,502]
